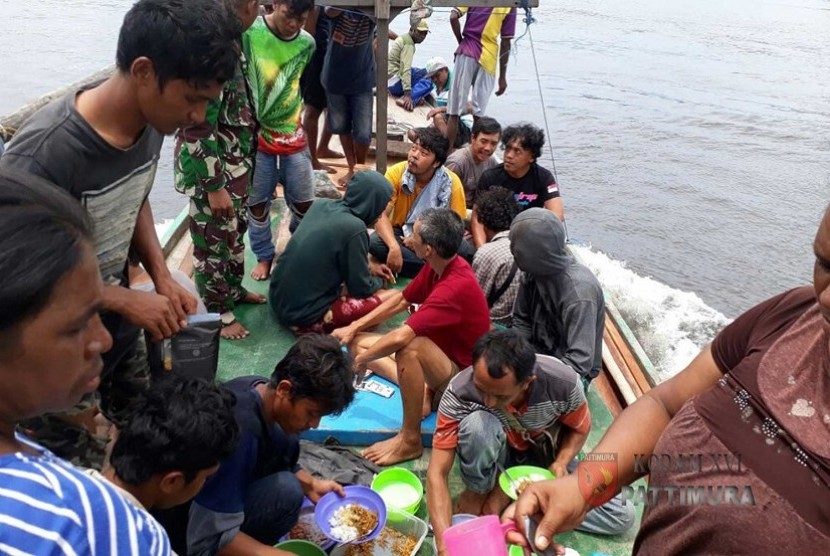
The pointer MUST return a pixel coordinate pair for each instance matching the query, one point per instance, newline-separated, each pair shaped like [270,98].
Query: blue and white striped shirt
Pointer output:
[49,507]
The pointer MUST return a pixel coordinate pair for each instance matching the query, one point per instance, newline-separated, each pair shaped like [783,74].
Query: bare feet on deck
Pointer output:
[328,153]
[317,165]
[234,331]
[253,298]
[394,450]
[262,271]
[470,502]
[344,181]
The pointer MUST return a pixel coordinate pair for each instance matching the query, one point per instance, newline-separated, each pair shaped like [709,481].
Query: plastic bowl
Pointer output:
[301,548]
[519,472]
[396,483]
[355,494]
[461,518]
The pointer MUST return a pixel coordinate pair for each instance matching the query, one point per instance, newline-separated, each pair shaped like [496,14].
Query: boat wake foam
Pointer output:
[671,325]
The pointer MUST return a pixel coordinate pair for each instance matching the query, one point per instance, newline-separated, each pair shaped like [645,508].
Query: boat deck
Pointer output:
[371,417]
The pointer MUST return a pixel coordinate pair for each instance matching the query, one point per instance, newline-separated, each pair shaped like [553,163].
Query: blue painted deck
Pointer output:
[370,418]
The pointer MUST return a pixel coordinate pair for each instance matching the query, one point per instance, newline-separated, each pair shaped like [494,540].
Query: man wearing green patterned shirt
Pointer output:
[279,50]
[213,167]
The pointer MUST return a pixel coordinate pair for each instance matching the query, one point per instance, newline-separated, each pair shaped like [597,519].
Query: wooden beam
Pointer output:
[404,4]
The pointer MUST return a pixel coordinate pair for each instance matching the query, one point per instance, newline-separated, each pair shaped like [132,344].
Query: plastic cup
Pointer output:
[400,489]
[301,548]
[483,536]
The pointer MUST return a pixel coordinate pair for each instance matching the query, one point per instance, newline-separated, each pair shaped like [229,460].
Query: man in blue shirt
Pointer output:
[255,496]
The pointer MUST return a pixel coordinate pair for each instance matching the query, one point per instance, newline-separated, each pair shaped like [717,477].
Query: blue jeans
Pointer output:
[482,444]
[272,507]
[295,173]
[351,115]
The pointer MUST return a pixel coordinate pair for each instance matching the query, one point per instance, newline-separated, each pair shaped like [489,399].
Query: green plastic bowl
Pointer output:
[516,550]
[301,548]
[520,472]
[403,481]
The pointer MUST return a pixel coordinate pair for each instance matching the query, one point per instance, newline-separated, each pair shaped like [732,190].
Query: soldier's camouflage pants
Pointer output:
[218,254]
[71,434]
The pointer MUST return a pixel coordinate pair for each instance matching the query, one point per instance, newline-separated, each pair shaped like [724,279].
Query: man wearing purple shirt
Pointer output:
[484,44]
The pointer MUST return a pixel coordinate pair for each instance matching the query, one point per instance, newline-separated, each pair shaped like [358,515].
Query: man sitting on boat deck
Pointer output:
[512,407]
[102,145]
[476,158]
[324,279]
[434,342]
[496,271]
[405,82]
[740,435]
[255,496]
[483,47]
[278,49]
[214,161]
[421,182]
[182,430]
[533,185]
[560,307]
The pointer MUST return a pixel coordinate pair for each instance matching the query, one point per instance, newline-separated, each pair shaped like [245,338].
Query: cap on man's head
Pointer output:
[435,64]
[423,26]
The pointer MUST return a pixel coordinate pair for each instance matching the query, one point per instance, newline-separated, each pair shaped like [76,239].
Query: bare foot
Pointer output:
[234,331]
[328,153]
[317,165]
[394,450]
[344,181]
[262,271]
[253,298]
[470,502]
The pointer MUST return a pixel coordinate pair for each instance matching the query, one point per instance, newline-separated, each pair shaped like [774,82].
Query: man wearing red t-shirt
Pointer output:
[435,342]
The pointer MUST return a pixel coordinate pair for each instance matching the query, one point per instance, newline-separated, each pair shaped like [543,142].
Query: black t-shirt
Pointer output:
[531,190]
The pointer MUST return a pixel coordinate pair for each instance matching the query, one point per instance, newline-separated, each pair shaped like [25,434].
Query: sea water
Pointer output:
[399,495]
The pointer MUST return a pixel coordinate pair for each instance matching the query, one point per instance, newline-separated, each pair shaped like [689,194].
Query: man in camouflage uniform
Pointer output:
[214,163]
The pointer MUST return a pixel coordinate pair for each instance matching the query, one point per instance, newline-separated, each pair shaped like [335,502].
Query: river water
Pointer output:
[691,139]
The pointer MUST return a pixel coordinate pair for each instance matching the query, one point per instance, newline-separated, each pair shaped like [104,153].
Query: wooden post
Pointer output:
[382,9]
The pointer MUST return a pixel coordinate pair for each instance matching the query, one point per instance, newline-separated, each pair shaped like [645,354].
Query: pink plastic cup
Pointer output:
[483,536]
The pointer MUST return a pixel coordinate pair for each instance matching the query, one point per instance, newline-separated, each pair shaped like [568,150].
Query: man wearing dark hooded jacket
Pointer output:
[324,279]
[559,307]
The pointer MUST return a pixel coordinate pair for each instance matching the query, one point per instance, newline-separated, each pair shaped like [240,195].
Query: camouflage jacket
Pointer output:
[210,155]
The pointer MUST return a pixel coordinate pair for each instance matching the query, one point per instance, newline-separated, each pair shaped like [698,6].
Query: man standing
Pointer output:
[278,49]
[435,342]
[484,45]
[213,167]
[400,67]
[325,280]
[512,407]
[560,307]
[420,183]
[349,77]
[532,185]
[101,144]
[496,271]
[255,496]
[476,158]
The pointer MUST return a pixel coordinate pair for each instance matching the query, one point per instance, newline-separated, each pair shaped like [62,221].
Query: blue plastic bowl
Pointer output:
[360,495]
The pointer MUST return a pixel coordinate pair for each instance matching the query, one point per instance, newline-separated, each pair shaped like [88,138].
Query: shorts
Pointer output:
[310,86]
[351,114]
[468,73]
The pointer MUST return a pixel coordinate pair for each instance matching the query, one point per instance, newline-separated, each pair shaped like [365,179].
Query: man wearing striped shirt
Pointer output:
[512,407]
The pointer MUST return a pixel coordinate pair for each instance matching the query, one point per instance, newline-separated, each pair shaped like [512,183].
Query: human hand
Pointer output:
[152,312]
[432,113]
[184,301]
[221,204]
[502,86]
[559,502]
[394,260]
[319,488]
[344,335]
[382,271]
[558,469]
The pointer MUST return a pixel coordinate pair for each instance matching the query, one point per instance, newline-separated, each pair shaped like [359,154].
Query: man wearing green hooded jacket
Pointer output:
[324,279]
